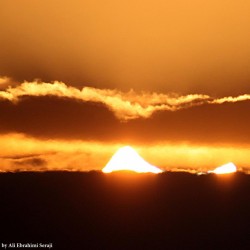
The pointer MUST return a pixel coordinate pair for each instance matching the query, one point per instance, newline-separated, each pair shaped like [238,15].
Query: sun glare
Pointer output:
[126,158]
[225,169]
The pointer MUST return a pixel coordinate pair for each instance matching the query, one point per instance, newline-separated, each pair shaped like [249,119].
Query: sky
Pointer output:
[80,79]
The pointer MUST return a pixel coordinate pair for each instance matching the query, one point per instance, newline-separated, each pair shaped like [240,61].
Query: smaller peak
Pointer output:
[225,169]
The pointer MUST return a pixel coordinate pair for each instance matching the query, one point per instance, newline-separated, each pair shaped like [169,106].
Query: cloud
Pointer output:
[33,162]
[54,110]
[231,99]
[214,124]
[6,82]
[53,117]
[125,105]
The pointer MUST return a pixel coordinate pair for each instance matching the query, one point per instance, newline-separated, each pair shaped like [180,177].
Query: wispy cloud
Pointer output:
[125,105]
[231,99]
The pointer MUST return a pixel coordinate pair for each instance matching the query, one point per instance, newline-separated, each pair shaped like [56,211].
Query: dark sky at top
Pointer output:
[171,46]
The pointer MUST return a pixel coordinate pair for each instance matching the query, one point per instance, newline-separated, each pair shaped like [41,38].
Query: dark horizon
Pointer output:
[79,80]
[124,211]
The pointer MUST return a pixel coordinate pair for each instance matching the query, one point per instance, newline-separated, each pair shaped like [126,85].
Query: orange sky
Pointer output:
[168,77]
[183,46]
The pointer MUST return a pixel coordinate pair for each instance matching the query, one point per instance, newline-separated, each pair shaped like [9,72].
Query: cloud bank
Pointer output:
[125,105]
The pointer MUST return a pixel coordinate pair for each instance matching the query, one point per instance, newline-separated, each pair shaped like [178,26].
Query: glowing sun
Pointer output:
[225,169]
[126,158]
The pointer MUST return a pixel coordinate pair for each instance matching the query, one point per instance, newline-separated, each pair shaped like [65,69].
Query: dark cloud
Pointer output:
[34,162]
[54,117]
[22,156]
[225,123]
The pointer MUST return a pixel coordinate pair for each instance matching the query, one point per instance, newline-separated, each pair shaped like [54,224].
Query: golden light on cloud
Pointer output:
[126,158]
[225,169]
[125,105]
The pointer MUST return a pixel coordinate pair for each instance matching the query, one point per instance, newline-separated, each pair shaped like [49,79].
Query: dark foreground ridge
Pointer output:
[125,211]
